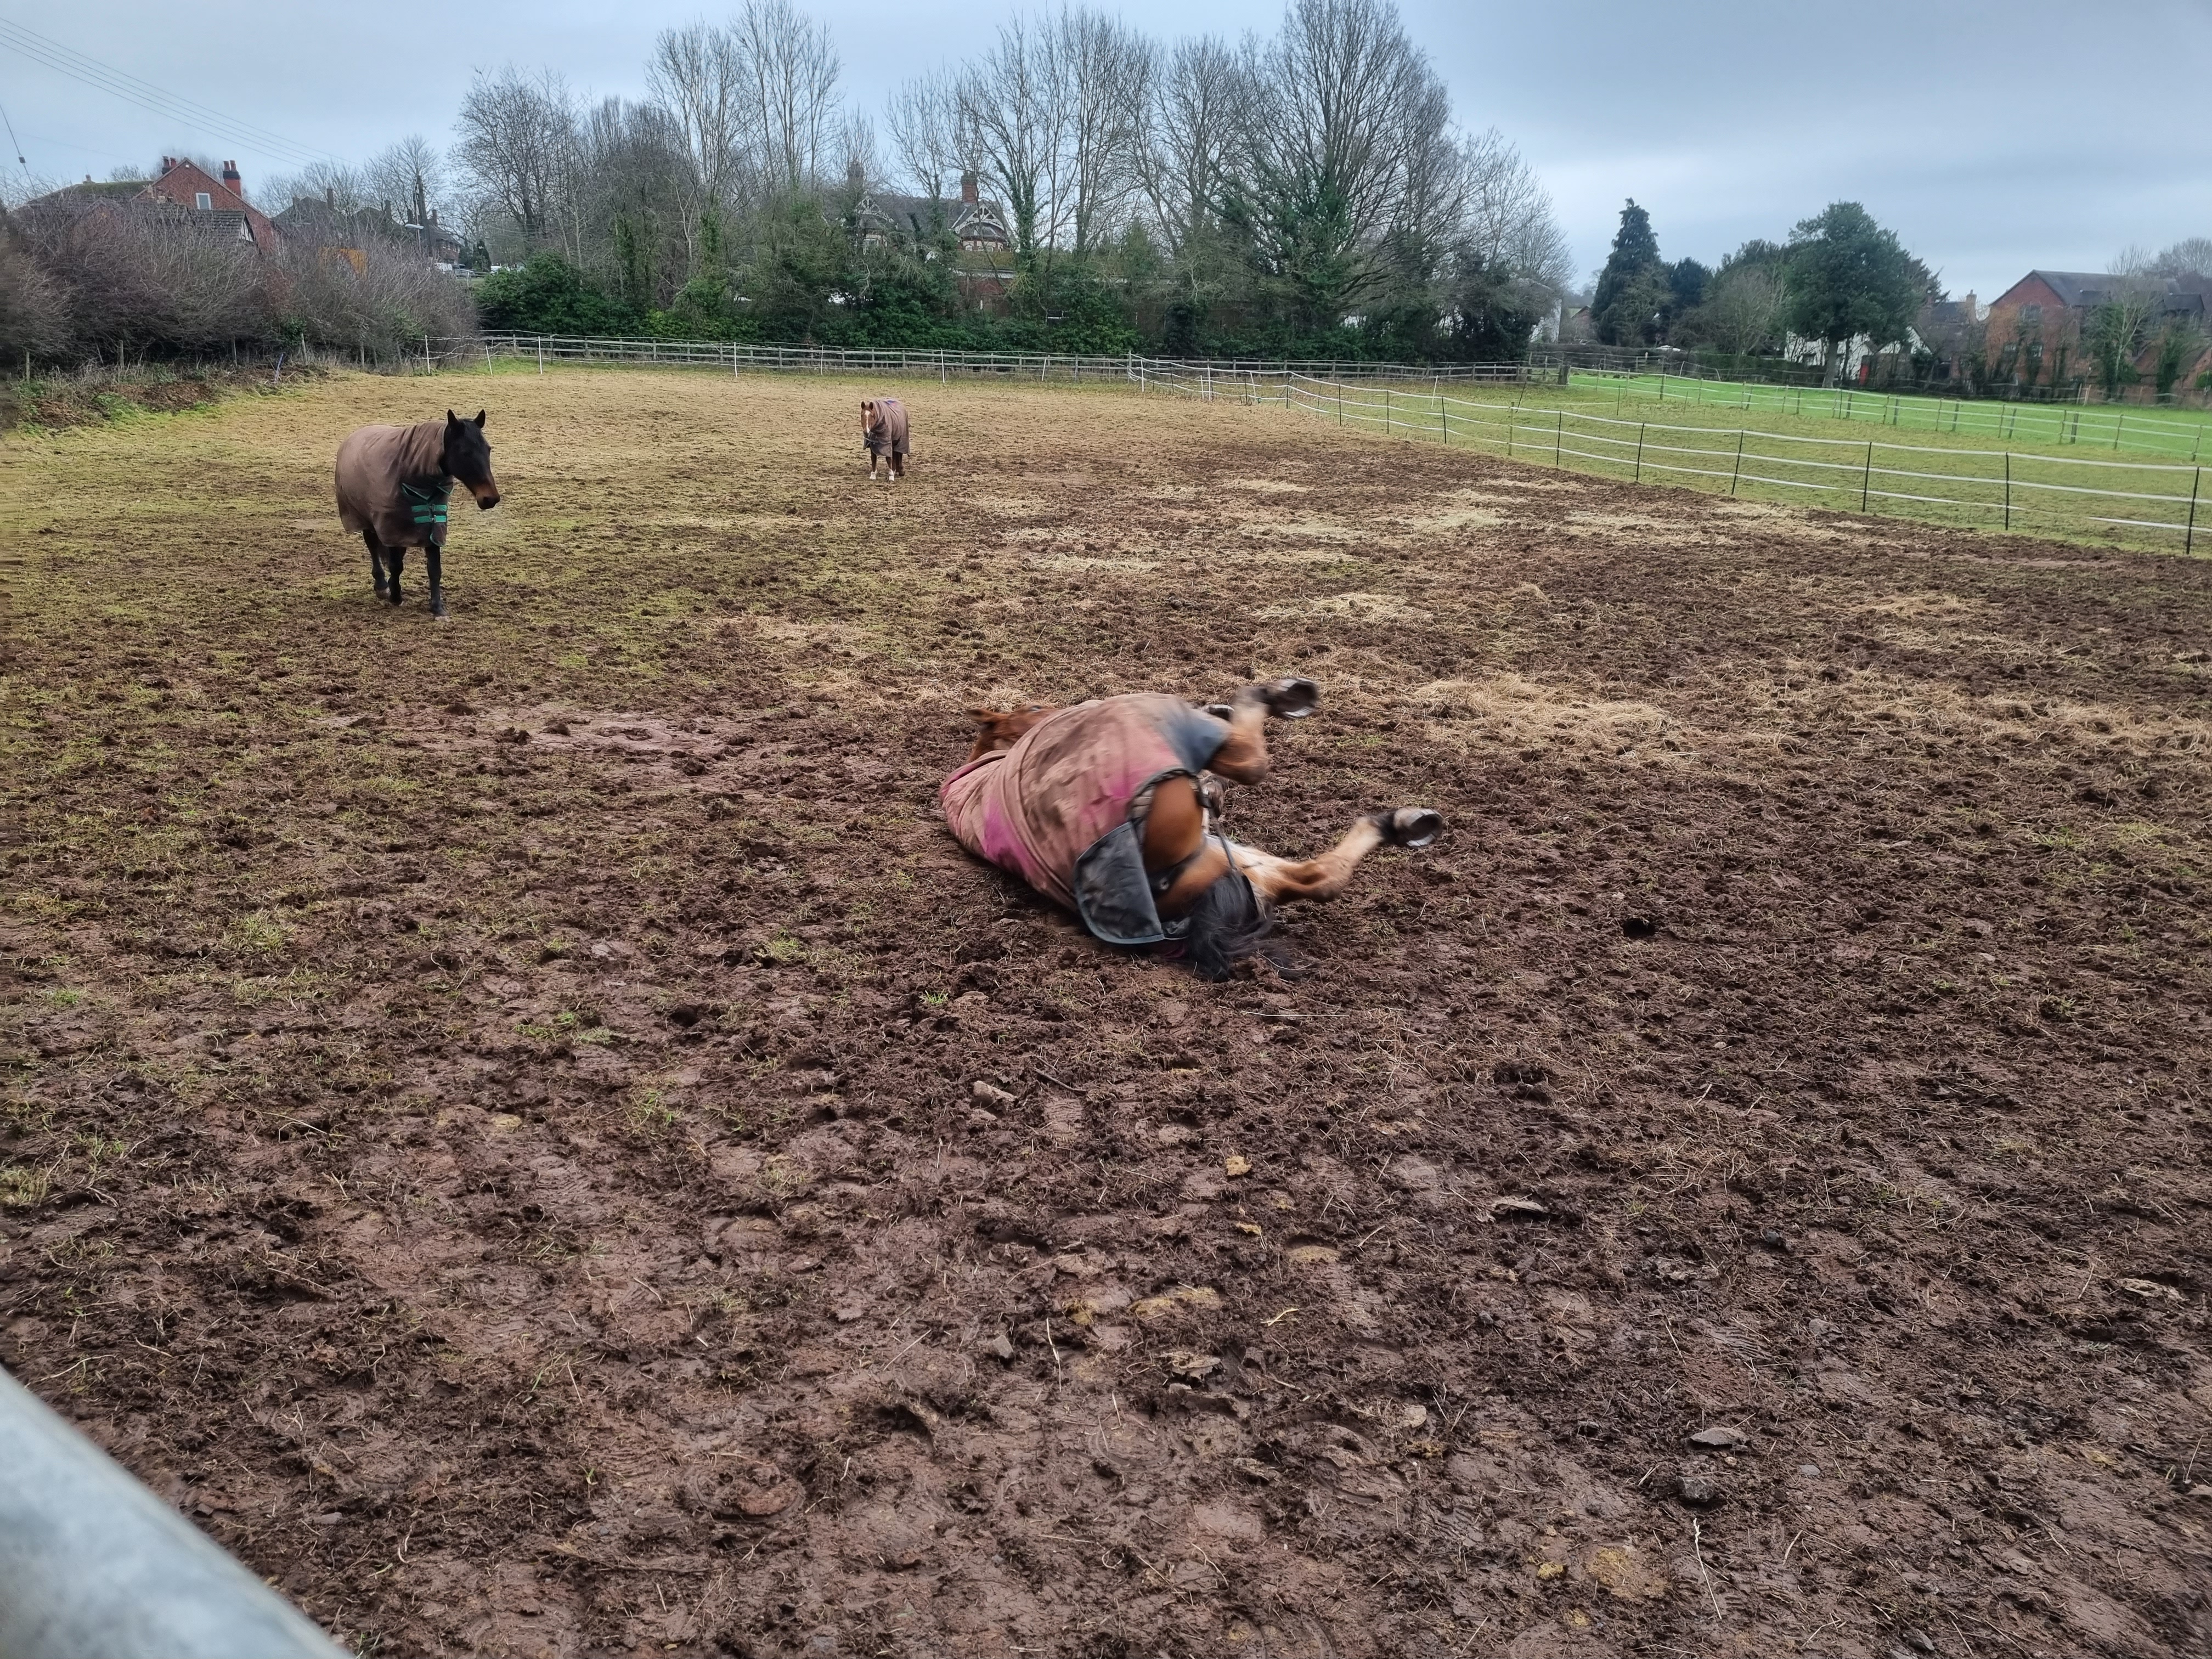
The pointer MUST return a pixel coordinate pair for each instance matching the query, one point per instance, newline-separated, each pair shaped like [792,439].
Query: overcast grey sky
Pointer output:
[1994,137]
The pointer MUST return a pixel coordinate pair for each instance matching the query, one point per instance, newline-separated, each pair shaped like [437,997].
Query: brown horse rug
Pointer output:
[1054,808]
[392,480]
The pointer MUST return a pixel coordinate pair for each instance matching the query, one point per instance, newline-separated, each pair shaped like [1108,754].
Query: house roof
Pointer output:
[2081,289]
[2078,287]
[914,215]
[329,225]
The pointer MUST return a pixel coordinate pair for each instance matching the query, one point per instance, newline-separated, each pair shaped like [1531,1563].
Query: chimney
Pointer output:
[330,196]
[853,172]
[231,181]
[168,161]
[968,187]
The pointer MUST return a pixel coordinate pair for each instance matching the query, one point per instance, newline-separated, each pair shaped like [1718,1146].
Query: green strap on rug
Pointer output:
[427,508]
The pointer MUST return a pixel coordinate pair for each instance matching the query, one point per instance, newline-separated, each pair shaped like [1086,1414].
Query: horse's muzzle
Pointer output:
[487,498]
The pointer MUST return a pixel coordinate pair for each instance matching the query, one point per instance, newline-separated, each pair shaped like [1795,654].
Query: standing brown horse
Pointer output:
[882,429]
[1109,807]
[393,483]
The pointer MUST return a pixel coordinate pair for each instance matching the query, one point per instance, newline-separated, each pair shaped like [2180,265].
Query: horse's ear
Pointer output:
[452,419]
[480,420]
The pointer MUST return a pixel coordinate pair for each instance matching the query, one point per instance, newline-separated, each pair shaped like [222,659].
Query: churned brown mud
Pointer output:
[529,1132]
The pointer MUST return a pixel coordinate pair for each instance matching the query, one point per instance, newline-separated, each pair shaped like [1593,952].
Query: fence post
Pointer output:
[541,356]
[2196,488]
[1386,411]
[1558,422]
[1446,414]
[1738,473]
[1639,451]
[1866,482]
[1340,403]
[2008,510]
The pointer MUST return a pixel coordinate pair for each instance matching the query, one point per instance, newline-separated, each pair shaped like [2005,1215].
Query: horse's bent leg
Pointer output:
[437,587]
[395,561]
[1244,758]
[375,561]
[1325,877]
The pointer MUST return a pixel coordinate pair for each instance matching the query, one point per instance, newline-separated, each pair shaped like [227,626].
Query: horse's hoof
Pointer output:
[1410,826]
[1220,711]
[1292,699]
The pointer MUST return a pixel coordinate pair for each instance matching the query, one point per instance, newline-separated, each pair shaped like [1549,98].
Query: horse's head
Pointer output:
[871,417]
[468,457]
[1002,728]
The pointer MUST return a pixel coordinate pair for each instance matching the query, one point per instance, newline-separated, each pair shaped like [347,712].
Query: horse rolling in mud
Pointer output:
[1110,808]
[883,430]
[393,483]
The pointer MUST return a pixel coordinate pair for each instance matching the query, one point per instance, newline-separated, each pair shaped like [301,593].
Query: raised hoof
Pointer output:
[1220,711]
[1292,699]
[1410,826]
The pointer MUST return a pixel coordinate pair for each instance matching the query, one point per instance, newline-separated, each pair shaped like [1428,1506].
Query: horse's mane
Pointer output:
[1226,924]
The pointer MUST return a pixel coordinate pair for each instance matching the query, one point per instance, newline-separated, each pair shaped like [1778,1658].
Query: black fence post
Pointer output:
[1866,483]
[1738,473]
[2007,508]
[1640,425]
[2196,488]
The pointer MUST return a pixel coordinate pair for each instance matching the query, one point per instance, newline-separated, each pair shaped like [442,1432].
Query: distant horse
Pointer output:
[882,429]
[1109,808]
[393,483]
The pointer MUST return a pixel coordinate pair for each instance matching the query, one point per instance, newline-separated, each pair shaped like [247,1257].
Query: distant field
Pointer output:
[2019,481]
[2161,434]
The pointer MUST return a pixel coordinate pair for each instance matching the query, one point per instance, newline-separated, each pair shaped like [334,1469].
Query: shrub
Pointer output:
[549,295]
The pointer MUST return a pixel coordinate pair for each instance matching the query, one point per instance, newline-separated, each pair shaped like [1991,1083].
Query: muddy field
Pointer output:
[530,1132]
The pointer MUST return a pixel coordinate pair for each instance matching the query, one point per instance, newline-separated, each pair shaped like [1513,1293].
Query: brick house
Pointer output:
[184,193]
[2036,327]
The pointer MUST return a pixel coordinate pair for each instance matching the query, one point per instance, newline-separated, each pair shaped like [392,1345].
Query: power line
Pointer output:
[119,83]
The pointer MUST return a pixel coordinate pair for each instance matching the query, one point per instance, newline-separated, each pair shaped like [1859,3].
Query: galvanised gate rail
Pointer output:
[95,1566]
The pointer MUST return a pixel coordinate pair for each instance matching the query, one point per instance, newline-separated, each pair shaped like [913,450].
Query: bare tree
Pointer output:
[1345,109]
[2190,257]
[409,176]
[340,185]
[791,71]
[1742,310]
[1100,68]
[1509,218]
[699,75]
[1012,109]
[517,140]
[925,122]
[864,159]
[1190,118]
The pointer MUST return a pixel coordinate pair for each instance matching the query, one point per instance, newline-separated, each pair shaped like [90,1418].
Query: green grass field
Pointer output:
[1758,448]
[2160,434]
